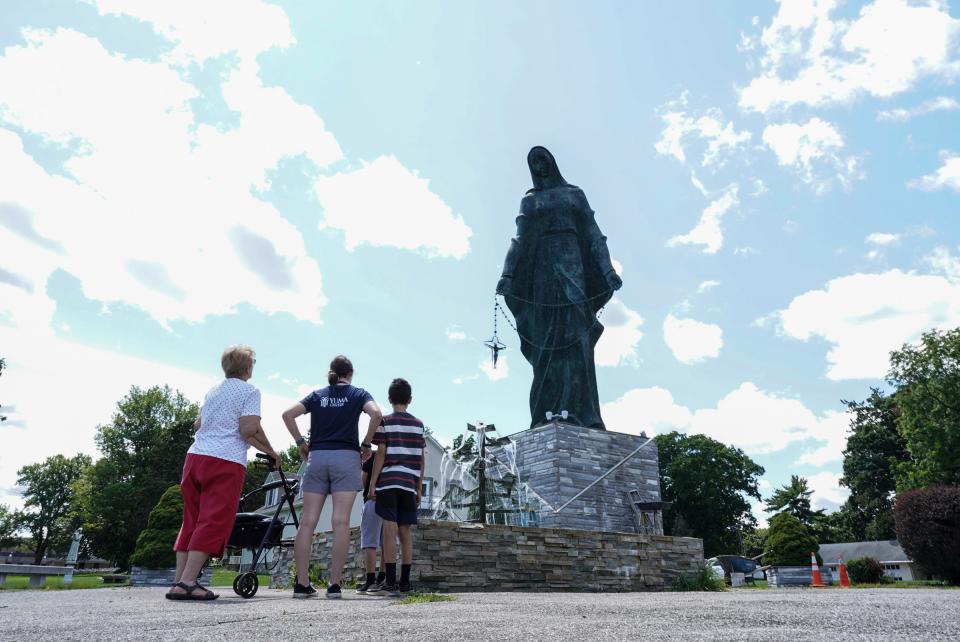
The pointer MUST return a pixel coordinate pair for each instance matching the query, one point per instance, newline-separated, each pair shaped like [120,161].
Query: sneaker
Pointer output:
[301,591]
[392,590]
[405,588]
[333,592]
[376,587]
[367,586]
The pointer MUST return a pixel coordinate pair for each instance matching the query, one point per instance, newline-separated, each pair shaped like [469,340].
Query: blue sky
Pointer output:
[778,183]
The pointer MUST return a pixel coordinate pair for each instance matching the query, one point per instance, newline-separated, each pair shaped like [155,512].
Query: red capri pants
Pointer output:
[211,489]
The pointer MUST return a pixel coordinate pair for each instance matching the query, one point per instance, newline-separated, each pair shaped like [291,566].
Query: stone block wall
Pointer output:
[558,460]
[460,557]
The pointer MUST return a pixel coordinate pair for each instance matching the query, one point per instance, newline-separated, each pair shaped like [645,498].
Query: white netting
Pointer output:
[506,498]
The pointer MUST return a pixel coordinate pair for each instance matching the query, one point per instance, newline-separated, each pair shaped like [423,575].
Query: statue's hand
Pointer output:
[504,285]
[614,282]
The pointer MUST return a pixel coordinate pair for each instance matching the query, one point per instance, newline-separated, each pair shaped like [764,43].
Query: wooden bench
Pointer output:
[114,578]
[37,574]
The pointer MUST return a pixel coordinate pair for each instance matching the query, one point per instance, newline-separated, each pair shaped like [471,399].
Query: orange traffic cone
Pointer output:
[816,571]
[844,578]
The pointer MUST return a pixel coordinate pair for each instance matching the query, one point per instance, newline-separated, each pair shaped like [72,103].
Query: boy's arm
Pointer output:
[423,459]
[377,466]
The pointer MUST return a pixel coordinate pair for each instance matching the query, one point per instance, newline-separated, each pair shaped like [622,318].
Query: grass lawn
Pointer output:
[56,583]
[224,577]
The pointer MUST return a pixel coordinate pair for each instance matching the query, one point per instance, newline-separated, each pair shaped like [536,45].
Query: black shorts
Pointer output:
[396,505]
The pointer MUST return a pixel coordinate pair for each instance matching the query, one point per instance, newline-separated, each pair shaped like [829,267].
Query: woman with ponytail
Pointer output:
[333,457]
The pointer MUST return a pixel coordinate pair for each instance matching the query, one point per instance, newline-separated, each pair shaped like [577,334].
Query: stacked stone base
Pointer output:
[461,557]
[559,460]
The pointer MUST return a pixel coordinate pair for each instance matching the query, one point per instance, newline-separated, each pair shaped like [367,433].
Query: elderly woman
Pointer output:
[229,423]
[333,466]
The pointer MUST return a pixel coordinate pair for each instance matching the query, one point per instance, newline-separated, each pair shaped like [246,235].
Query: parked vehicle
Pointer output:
[723,565]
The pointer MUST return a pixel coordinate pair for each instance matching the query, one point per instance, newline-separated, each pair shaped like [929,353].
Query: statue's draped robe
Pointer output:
[559,264]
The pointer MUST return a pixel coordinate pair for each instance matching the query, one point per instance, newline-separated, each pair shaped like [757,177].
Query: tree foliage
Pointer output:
[708,483]
[927,377]
[789,542]
[928,529]
[155,543]
[11,522]
[874,449]
[143,448]
[50,501]
[865,570]
[794,498]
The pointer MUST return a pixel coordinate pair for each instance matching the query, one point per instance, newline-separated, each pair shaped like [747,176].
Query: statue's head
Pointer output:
[543,168]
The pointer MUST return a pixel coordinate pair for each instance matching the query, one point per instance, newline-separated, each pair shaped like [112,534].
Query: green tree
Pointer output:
[874,449]
[708,483]
[794,498]
[155,543]
[789,542]
[927,378]
[143,448]
[11,522]
[755,542]
[50,496]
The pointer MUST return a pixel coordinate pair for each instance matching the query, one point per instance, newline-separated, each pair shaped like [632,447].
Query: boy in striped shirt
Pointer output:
[397,479]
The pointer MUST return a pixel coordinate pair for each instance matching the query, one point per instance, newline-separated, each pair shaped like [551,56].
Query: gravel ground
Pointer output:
[797,614]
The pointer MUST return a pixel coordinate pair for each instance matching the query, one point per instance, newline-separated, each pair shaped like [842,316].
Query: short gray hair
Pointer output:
[237,360]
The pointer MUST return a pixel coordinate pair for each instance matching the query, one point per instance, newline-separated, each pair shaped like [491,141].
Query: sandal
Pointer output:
[206,595]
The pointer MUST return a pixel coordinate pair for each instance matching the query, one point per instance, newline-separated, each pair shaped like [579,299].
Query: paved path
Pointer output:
[798,614]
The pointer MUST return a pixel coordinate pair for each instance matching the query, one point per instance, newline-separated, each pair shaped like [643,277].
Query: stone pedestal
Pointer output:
[558,460]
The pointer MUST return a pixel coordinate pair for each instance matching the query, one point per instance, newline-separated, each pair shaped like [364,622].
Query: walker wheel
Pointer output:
[246,584]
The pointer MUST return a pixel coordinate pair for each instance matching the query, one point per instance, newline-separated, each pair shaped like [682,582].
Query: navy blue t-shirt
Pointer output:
[334,412]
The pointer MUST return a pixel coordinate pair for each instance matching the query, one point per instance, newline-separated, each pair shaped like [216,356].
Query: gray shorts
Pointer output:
[370,525]
[332,471]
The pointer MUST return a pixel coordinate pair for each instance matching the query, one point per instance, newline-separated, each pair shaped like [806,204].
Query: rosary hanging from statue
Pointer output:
[496,346]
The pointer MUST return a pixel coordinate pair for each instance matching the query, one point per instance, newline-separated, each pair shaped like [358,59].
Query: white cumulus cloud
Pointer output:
[621,335]
[690,340]
[903,114]
[498,373]
[827,491]
[386,205]
[708,232]
[811,149]
[115,221]
[812,57]
[721,138]
[755,420]
[947,176]
[866,316]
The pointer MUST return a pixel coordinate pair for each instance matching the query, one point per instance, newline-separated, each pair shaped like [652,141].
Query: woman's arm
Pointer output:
[196,422]
[373,410]
[290,421]
[252,432]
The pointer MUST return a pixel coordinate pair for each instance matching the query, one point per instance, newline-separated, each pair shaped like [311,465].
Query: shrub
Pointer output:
[789,543]
[155,543]
[865,570]
[928,529]
[703,580]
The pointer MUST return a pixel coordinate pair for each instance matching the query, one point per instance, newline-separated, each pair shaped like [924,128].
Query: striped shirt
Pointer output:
[402,435]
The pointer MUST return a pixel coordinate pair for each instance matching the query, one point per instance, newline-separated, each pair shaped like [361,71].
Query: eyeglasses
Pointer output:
[254,362]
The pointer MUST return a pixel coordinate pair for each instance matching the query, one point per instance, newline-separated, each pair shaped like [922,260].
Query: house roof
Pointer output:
[887,550]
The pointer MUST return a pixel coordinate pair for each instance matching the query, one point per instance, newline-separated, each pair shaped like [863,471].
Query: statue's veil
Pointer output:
[555,179]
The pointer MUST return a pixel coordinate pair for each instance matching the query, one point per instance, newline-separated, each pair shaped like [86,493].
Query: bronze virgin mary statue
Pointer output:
[556,277]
